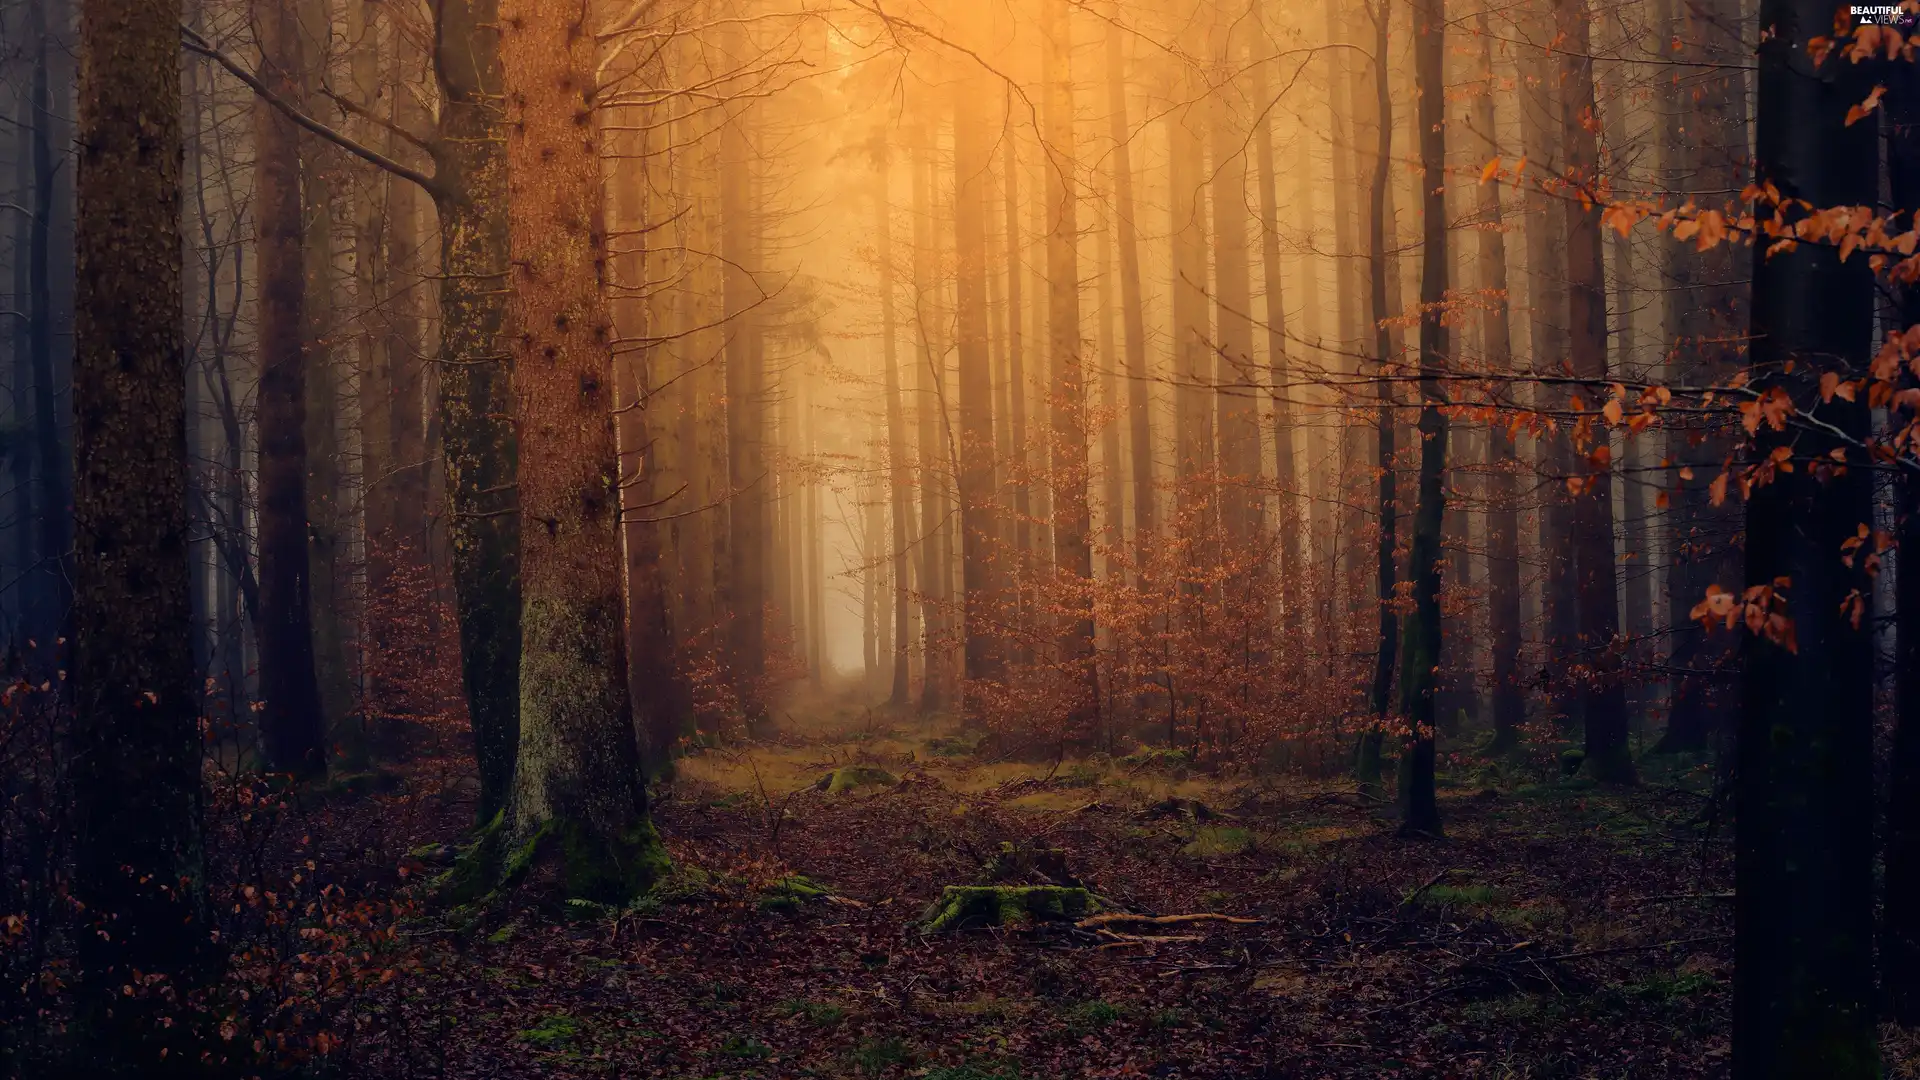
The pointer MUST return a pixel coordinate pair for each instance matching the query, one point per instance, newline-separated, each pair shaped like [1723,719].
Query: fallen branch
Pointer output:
[1116,919]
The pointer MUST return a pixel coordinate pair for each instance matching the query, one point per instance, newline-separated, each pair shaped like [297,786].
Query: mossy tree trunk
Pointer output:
[476,404]
[578,790]
[136,772]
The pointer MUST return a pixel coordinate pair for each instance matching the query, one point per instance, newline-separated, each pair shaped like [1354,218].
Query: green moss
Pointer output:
[788,893]
[817,1013]
[1167,759]
[1219,840]
[854,777]
[875,1056]
[554,1031]
[965,906]
[1091,1016]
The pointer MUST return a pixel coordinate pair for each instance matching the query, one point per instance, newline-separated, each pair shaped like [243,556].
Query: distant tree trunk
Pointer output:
[476,406]
[291,723]
[1702,148]
[748,475]
[979,530]
[1287,517]
[1072,512]
[374,356]
[1608,758]
[1503,511]
[136,723]
[1419,813]
[1018,465]
[1234,374]
[897,462]
[1540,128]
[1380,700]
[578,789]
[26,282]
[329,517]
[1132,304]
[934,571]
[1803,858]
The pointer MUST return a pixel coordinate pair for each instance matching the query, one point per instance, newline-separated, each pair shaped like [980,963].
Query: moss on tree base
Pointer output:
[963,907]
[576,864]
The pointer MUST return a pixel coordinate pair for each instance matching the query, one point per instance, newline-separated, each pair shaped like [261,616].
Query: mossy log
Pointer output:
[964,907]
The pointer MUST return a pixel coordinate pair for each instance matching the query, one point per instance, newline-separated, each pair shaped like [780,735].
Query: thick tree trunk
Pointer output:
[1900,918]
[1419,813]
[578,788]
[1803,859]
[292,725]
[476,406]
[52,496]
[136,723]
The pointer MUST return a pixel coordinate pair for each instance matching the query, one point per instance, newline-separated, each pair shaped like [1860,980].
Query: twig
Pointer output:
[1097,921]
[1704,939]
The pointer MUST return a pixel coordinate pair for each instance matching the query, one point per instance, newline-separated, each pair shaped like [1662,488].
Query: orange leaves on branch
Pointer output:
[1762,609]
[1492,170]
[1865,108]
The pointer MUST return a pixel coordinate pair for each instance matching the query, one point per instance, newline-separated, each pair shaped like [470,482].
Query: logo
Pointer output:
[1883,15]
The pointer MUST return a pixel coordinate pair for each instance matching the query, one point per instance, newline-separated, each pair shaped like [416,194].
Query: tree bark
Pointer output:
[292,725]
[136,730]
[1286,477]
[1132,304]
[1380,700]
[979,530]
[1419,812]
[1803,859]
[578,790]
[898,476]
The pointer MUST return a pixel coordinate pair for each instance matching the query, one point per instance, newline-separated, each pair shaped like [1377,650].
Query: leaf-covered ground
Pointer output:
[1557,931]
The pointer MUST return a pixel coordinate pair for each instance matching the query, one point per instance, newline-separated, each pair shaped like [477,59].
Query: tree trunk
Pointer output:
[979,530]
[1072,513]
[1419,813]
[292,726]
[136,725]
[749,520]
[1503,511]
[1287,517]
[1380,700]
[898,479]
[476,406]
[1803,858]
[934,571]
[1604,711]
[578,790]
[1132,304]
[54,492]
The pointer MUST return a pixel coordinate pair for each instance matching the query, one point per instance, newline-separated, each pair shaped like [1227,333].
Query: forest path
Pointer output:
[1557,931]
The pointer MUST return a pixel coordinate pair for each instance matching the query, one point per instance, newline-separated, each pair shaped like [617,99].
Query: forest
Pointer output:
[959,539]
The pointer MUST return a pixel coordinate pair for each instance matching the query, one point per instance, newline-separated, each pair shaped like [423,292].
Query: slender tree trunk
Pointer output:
[1286,477]
[1419,813]
[53,494]
[978,527]
[1503,510]
[476,402]
[292,726]
[1132,303]
[1608,758]
[898,479]
[934,571]
[1803,859]
[749,516]
[578,789]
[1380,700]
[136,725]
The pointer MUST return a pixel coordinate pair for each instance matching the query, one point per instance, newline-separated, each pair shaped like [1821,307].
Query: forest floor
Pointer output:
[1556,931]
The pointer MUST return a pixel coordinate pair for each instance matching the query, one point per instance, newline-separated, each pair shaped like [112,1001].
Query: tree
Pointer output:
[291,723]
[579,796]
[1139,407]
[136,733]
[897,464]
[1421,653]
[1380,698]
[1803,859]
